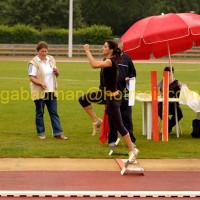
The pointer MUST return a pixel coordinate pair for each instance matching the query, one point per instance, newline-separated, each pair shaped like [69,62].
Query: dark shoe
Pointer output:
[62,137]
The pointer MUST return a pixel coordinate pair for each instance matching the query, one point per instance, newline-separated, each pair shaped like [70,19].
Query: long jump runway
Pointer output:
[99,183]
[65,177]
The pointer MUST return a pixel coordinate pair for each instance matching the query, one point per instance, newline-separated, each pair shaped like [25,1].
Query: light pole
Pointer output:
[70,28]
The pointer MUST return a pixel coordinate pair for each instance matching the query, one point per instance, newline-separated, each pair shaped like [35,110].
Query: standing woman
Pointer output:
[43,85]
[113,97]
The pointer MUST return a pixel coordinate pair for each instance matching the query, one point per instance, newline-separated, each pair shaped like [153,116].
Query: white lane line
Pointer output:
[29,193]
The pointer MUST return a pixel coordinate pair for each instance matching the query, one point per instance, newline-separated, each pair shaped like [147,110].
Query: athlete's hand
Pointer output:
[86,47]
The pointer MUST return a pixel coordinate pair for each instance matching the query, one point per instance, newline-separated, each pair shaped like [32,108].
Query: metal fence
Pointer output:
[77,51]
[54,50]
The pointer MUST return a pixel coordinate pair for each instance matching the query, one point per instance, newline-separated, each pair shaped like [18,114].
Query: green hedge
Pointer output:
[22,34]
[54,36]
[6,34]
[92,35]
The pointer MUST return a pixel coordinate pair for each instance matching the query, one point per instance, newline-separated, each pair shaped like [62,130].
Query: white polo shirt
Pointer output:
[48,73]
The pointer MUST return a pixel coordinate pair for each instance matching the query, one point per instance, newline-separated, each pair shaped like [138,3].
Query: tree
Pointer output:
[121,14]
[176,6]
[117,14]
[39,14]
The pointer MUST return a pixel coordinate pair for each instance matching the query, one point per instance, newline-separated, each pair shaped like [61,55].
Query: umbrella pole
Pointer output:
[165,99]
[170,60]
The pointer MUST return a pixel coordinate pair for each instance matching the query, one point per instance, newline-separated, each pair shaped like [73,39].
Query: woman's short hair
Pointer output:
[42,44]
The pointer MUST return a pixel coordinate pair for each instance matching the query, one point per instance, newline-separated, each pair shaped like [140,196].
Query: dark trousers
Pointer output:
[126,114]
[172,120]
[114,113]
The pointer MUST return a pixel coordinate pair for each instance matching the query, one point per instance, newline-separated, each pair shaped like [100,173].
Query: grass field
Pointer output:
[17,128]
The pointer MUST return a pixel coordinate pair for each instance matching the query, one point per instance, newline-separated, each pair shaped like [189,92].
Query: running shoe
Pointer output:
[133,155]
[96,126]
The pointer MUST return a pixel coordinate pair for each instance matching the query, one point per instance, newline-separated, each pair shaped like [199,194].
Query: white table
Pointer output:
[146,100]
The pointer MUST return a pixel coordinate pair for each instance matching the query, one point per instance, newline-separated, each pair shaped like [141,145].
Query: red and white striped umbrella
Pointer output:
[162,35]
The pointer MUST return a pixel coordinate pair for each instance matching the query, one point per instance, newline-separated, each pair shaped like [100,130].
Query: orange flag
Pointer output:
[105,129]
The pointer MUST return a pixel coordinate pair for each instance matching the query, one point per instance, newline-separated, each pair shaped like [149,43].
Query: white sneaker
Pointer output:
[133,155]
[96,126]
[42,137]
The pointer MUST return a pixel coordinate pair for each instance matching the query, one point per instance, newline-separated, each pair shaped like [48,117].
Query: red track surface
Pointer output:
[99,181]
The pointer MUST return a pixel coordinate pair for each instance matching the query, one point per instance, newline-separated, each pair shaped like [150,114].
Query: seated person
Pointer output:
[174,92]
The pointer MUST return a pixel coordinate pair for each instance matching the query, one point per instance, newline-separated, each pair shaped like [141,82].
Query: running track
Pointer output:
[99,184]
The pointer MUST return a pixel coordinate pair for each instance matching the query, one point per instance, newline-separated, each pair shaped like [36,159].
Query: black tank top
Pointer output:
[110,76]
